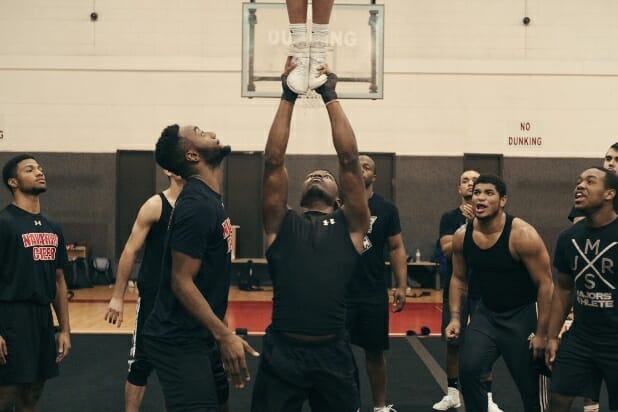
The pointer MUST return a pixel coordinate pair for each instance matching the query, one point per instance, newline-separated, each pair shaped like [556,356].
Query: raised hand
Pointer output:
[327,90]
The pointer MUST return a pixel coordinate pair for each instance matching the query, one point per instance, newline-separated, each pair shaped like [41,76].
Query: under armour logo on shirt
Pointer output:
[327,222]
[37,223]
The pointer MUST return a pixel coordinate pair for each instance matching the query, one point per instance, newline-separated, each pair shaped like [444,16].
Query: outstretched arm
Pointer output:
[529,246]
[458,288]
[233,348]
[561,303]
[355,207]
[61,307]
[397,257]
[148,215]
[275,181]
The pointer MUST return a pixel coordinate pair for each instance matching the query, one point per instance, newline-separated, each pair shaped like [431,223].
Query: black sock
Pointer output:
[489,386]
[452,383]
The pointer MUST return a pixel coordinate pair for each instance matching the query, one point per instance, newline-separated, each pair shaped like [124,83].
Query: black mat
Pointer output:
[504,390]
[93,377]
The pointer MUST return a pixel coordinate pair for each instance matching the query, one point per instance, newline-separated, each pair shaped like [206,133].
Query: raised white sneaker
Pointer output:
[450,400]
[387,408]
[318,58]
[298,79]
[491,405]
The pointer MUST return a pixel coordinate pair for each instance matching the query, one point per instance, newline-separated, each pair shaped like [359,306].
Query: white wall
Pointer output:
[460,76]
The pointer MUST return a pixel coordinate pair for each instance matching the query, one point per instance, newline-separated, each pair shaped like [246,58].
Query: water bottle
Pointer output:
[418,255]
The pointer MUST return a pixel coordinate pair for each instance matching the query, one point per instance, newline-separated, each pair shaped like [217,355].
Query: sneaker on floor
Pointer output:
[298,79]
[450,400]
[318,58]
[387,408]
[493,407]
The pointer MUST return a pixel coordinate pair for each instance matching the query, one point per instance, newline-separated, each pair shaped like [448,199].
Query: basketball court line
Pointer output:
[431,364]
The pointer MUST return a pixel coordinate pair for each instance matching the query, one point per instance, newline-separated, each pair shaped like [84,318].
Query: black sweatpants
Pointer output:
[293,371]
[490,335]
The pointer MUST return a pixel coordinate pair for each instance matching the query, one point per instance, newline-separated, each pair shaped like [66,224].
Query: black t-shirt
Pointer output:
[590,256]
[310,263]
[449,223]
[150,270]
[369,282]
[31,249]
[199,228]
[574,213]
[504,282]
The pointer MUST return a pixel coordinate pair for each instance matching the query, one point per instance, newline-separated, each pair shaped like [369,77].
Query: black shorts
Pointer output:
[367,324]
[581,364]
[140,367]
[190,372]
[291,372]
[28,330]
[468,310]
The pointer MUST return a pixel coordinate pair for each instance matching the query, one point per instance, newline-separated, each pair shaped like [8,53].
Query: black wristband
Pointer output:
[327,90]
[287,93]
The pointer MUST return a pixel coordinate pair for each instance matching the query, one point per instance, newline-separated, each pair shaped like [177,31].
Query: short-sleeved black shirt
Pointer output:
[31,249]
[590,256]
[199,228]
[369,282]
[449,223]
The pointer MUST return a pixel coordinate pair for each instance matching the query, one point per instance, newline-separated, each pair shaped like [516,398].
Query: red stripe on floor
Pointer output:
[255,317]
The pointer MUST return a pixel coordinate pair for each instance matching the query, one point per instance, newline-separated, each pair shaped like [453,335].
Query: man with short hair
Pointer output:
[367,316]
[185,337]
[311,257]
[150,228]
[32,257]
[449,223]
[610,162]
[511,264]
[586,256]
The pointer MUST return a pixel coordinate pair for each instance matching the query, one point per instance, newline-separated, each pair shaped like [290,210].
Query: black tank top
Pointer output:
[150,270]
[310,264]
[504,282]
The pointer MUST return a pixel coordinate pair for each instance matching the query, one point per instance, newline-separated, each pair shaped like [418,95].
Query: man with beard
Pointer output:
[367,317]
[150,228]
[449,223]
[32,257]
[311,257]
[185,337]
[610,162]
[511,264]
[586,256]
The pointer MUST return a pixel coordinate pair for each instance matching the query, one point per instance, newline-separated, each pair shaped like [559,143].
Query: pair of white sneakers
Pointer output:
[452,400]
[309,59]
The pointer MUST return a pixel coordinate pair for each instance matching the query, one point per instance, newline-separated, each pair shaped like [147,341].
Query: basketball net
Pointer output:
[310,100]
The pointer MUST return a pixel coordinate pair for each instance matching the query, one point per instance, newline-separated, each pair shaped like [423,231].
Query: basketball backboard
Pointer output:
[355,49]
